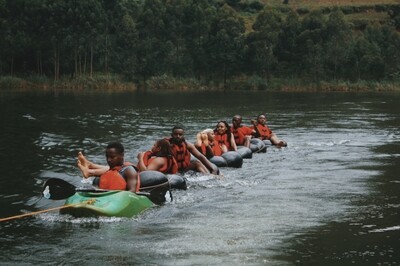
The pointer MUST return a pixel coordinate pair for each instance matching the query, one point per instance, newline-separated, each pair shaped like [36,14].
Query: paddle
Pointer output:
[58,189]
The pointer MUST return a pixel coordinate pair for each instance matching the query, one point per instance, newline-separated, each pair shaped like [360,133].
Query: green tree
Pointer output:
[94,22]
[176,20]
[152,45]
[57,32]
[226,42]
[115,45]
[374,64]
[338,43]
[198,19]
[364,58]
[393,55]
[126,46]
[83,23]
[16,38]
[3,23]
[38,14]
[286,49]
[263,42]
[385,37]
[311,45]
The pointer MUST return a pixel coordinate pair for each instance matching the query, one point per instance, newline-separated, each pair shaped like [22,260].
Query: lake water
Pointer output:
[330,198]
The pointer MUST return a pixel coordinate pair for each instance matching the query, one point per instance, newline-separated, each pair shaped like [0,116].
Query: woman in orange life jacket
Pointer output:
[159,158]
[182,150]
[224,138]
[264,133]
[242,134]
[206,145]
[118,175]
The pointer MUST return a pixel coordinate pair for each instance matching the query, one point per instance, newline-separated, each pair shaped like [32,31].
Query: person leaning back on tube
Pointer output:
[242,134]
[264,133]
[118,175]
[182,151]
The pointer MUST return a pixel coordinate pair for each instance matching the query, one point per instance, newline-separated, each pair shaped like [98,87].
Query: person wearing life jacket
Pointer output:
[182,150]
[120,175]
[264,133]
[224,138]
[159,158]
[242,134]
[206,145]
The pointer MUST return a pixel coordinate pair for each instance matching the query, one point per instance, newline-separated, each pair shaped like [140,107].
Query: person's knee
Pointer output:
[197,164]
[199,167]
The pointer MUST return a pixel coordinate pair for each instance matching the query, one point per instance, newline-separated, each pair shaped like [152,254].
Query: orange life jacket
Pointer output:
[216,148]
[240,132]
[202,149]
[181,155]
[265,132]
[222,139]
[170,166]
[114,179]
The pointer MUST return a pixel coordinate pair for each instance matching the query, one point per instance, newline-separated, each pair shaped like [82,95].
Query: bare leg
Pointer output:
[224,148]
[278,142]
[197,166]
[90,165]
[84,169]
[246,142]
[82,160]
[90,169]
[86,162]
[87,172]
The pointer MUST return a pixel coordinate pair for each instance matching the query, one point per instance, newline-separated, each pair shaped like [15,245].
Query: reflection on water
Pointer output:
[330,197]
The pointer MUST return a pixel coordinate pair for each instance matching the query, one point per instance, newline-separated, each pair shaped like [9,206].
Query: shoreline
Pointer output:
[162,84]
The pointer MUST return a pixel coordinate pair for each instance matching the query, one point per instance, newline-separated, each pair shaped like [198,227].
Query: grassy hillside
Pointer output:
[358,12]
[329,3]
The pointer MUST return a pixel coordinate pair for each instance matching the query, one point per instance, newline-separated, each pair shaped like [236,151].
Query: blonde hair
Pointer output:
[206,131]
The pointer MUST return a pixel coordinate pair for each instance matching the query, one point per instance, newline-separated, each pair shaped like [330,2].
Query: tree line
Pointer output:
[200,39]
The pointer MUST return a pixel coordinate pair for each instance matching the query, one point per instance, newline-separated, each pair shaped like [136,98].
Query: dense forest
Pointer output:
[195,41]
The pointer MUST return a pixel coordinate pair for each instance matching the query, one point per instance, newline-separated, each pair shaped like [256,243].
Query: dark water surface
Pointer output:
[330,198]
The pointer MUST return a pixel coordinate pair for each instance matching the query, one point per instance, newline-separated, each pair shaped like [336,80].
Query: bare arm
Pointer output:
[131,179]
[256,131]
[140,164]
[253,131]
[198,141]
[155,164]
[233,143]
[192,149]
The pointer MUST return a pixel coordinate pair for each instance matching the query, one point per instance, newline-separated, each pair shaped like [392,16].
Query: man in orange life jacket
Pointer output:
[121,175]
[241,133]
[182,150]
[264,133]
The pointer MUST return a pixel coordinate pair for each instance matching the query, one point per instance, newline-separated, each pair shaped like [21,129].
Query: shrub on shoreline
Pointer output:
[114,83]
[40,83]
